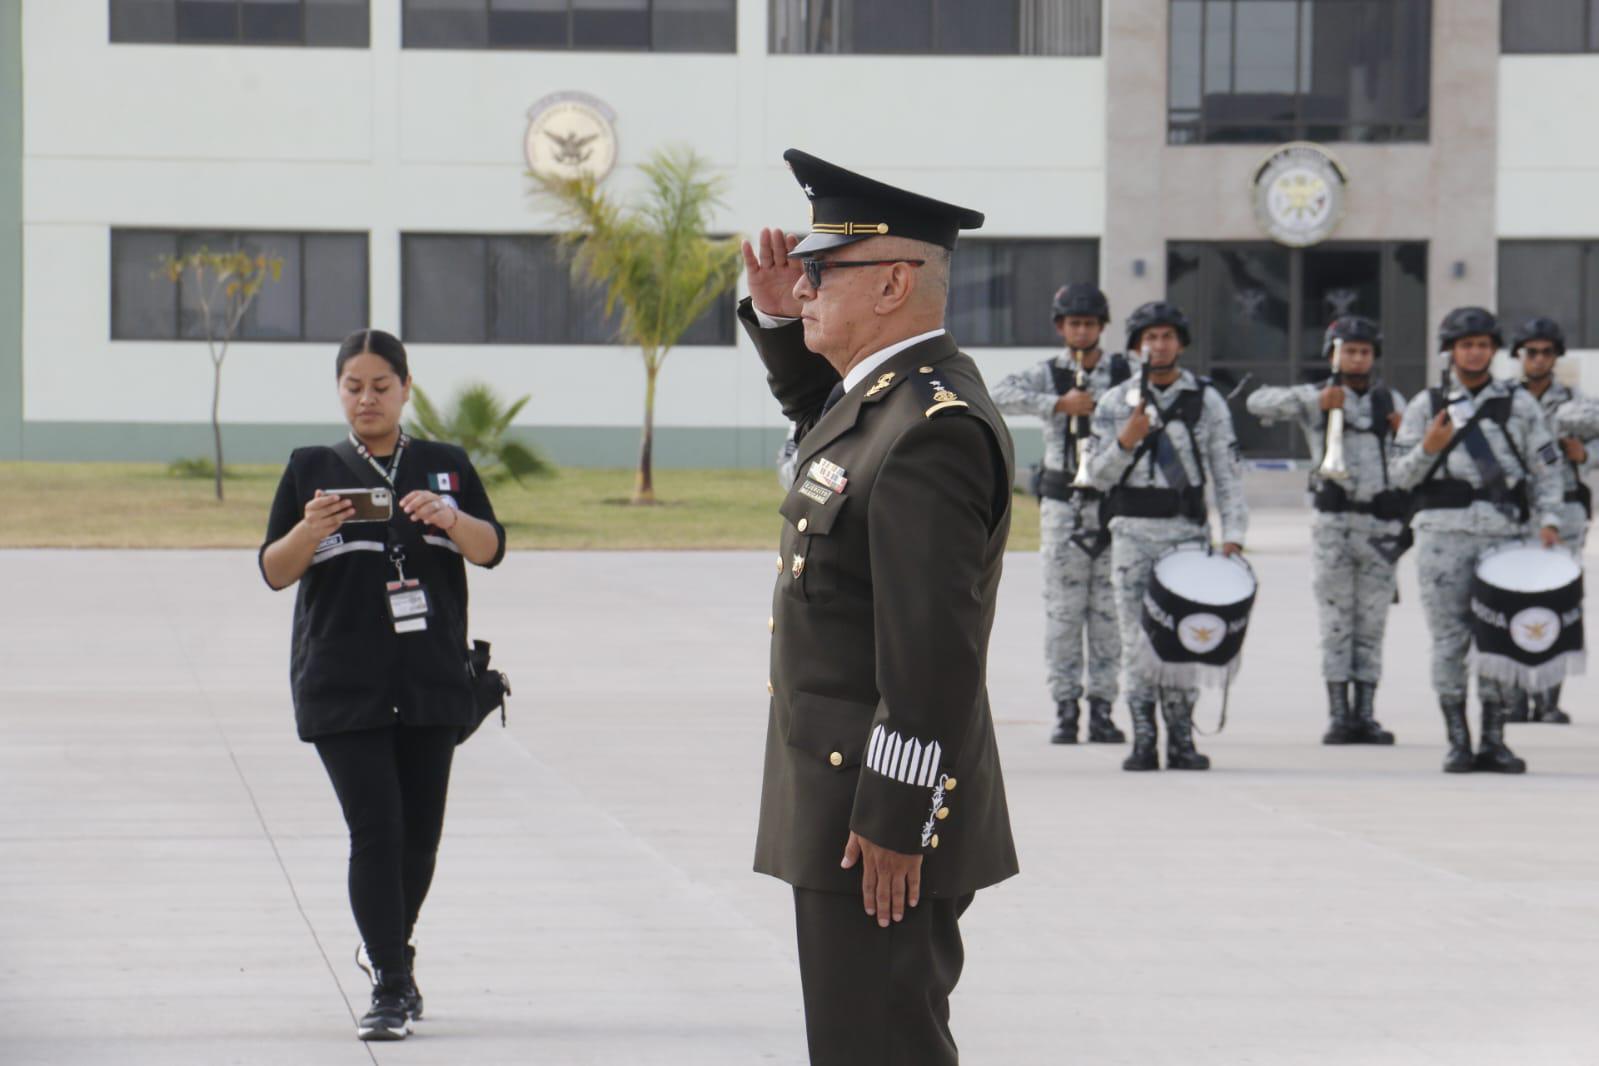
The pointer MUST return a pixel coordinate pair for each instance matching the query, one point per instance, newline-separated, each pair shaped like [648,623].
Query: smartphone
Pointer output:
[371,505]
[1461,409]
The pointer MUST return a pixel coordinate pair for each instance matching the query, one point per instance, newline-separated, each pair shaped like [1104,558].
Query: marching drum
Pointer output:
[1196,613]
[1526,616]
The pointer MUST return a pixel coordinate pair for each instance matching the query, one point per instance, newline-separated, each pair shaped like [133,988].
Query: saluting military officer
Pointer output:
[1476,485]
[1539,343]
[1079,600]
[1155,471]
[883,803]
[1359,516]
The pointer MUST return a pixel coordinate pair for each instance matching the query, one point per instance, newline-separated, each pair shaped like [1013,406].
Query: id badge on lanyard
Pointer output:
[409,604]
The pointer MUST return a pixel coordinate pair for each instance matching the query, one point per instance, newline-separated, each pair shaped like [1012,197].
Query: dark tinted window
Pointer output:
[1277,70]
[1549,26]
[1260,309]
[936,27]
[613,25]
[1000,290]
[514,289]
[1556,279]
[320,293]
[325,23]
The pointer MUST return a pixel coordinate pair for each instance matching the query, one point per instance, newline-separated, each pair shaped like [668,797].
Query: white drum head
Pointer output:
[1213,580]
[1527,569]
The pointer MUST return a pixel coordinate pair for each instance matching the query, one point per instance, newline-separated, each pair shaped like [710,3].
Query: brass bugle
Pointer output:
[1332,462]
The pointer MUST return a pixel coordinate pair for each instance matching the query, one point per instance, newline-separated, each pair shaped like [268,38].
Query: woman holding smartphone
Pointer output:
[377,530]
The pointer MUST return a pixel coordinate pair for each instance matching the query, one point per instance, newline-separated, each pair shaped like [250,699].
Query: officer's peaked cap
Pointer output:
[847,207]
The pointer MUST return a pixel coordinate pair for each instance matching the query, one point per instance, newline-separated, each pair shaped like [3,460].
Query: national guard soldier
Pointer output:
[1482,466]
[1358,523]
[1079,600]
[1539,343]
[882,788]
[1155,467]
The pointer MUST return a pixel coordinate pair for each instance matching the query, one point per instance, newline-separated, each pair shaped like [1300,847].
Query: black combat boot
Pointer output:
[1459,760]
[1367,729]
[1180,752]
[1142,757]
[1546,708]
[1101,730]
[1517,710]
[1492,755]
[1065,723]
[1340,725]
[388,1019]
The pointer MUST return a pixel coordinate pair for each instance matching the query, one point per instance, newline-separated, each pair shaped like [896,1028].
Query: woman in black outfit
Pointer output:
[378,668]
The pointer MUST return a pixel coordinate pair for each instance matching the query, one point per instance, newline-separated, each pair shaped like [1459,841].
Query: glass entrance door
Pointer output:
[1259,309]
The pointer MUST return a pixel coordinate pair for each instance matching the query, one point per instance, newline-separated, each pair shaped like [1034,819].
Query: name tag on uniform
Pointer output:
[408,605]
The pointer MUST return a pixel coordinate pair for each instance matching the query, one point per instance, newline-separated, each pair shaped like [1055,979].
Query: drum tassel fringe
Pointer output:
[1184,675]
[1540,678]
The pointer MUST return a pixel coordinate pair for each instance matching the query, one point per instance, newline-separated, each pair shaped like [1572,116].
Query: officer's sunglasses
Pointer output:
[814,267]
[1537,349]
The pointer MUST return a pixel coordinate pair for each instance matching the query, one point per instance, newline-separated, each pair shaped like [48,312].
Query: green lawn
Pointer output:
[139,505]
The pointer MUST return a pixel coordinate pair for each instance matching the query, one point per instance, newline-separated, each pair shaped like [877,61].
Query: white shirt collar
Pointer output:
[860,370]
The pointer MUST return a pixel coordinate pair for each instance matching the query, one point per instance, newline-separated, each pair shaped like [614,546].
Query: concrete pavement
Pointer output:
[172,859]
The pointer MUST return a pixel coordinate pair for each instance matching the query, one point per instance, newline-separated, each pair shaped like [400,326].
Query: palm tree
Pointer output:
[478,422]
[653,259]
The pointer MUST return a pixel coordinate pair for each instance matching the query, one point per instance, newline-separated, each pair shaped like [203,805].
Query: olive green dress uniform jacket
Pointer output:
[879,719]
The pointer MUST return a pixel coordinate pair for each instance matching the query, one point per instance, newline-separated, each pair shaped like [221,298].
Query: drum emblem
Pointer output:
[1201,633]
[1535,629]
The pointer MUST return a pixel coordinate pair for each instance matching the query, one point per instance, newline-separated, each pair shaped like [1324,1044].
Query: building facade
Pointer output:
[1265,163]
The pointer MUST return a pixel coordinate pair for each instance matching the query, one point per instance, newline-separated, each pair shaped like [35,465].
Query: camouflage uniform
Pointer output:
[1573,519]
[1079,601]
[1450,541]
[1354,583]
[1136,543]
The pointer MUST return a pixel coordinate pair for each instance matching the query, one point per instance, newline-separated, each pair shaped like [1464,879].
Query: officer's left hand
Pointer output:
[1232,548]
[1395,420]
[429,508]
[1550,536]
[1574,449]
[888,878]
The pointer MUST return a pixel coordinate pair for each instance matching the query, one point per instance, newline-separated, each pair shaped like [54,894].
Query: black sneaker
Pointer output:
[413,995]
[387,1020]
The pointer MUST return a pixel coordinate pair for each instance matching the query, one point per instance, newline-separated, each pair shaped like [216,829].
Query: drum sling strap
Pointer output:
[1183,498]
[1453,493]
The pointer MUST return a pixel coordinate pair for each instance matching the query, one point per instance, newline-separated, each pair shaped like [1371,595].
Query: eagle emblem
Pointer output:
[572,149]
[882,383]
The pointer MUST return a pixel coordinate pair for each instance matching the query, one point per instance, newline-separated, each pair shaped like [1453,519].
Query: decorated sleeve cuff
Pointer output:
[900,802]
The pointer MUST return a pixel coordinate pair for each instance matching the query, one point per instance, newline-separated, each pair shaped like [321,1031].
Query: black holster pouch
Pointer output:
[490,688]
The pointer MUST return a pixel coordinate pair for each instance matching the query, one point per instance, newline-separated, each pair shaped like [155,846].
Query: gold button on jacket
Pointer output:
[893,538]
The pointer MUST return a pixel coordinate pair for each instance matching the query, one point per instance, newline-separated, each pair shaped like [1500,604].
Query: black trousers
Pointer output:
[878,997]
[392,784]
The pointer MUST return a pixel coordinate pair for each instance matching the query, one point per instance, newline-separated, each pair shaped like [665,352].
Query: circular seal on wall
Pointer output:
[1535,629]
[570,135]
[1300,192]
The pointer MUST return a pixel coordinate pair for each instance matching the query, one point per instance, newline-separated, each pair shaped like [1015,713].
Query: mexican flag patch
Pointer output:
[445,482]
